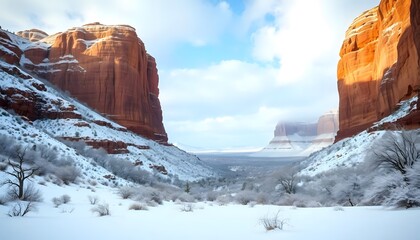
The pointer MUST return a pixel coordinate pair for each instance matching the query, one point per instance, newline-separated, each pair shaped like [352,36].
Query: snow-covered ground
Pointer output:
[75,220]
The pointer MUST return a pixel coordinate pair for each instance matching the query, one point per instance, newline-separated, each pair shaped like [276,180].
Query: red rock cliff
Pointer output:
[106,67]
[379,64]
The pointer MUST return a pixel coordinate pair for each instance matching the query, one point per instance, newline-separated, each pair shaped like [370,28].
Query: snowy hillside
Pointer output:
[350,152]
[35,113]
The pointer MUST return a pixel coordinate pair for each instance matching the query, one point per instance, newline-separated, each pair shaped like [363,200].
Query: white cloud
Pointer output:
[237,130]
[299,36]
[161,24]
[229,86]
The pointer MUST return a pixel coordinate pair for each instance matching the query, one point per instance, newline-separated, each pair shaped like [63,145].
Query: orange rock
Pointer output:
[33,35]
[379,64]
[108,68]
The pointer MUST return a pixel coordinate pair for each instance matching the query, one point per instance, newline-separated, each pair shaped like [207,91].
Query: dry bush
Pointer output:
[126,192]
[101,209]
[93,199]
[64,199]
[274,222]
[187,207]
[20,209]
[138,207]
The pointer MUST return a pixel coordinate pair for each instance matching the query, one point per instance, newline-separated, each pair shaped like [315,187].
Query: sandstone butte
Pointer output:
[379,65]
[106,67]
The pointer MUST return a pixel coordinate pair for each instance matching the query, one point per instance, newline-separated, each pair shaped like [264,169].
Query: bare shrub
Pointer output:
[20,209]
[3,166]
[245,197]
[138,207]
[31,194]
[187,207]
[3,200]
[68,174]
[93,199]
[396,156]
[126,192]
[156,197]
[101,209]
[211,196]
[274,222]
[64,199]
[224,200]
[92,182]
[288,180]
[183,197]
[397,151]
[338,208]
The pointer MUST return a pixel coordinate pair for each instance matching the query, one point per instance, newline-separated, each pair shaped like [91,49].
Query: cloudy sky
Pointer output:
[229,69]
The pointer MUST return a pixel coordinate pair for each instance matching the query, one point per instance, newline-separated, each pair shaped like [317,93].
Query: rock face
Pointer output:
[32,35]
[379,65]
[107,67]
[302,139]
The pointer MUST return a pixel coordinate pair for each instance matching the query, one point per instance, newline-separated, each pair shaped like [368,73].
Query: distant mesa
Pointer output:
[299,139]
[105,66]
[379,66]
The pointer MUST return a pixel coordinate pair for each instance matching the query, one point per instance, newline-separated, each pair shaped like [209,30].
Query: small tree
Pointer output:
[397,151]
[397,155]
[19,173]
[187,187]
[288,180]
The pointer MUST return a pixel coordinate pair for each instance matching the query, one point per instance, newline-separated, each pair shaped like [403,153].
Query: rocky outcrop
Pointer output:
[106,67]
[302,139]
[379,65]
[33,35]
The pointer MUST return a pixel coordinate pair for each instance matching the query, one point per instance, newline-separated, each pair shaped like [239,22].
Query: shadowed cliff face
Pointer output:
[108,68]
[379,64]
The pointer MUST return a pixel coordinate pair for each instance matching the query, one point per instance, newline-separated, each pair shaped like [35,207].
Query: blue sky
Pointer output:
[229,70]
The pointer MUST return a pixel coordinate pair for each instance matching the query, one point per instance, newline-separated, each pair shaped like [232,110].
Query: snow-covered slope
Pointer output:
[35,113]
[352,151]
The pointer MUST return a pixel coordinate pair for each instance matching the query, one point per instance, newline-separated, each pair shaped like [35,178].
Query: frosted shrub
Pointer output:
[68,174]
[3,166]
[396,161]
[64,199]
[224,200]
[187,207]
[138,207]
[93,199]
[101,209]
[211,196]
[126,192]
[274,222]
[245,197]
[31,194]
[338,208]
[183,197]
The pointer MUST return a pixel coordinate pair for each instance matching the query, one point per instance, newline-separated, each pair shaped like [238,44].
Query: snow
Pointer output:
[352,151]
[403,110]
[177,162]
[208,220]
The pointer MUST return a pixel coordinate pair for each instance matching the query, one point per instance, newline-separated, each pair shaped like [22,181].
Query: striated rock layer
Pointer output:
[302,139]
[107,67]
[379,64]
